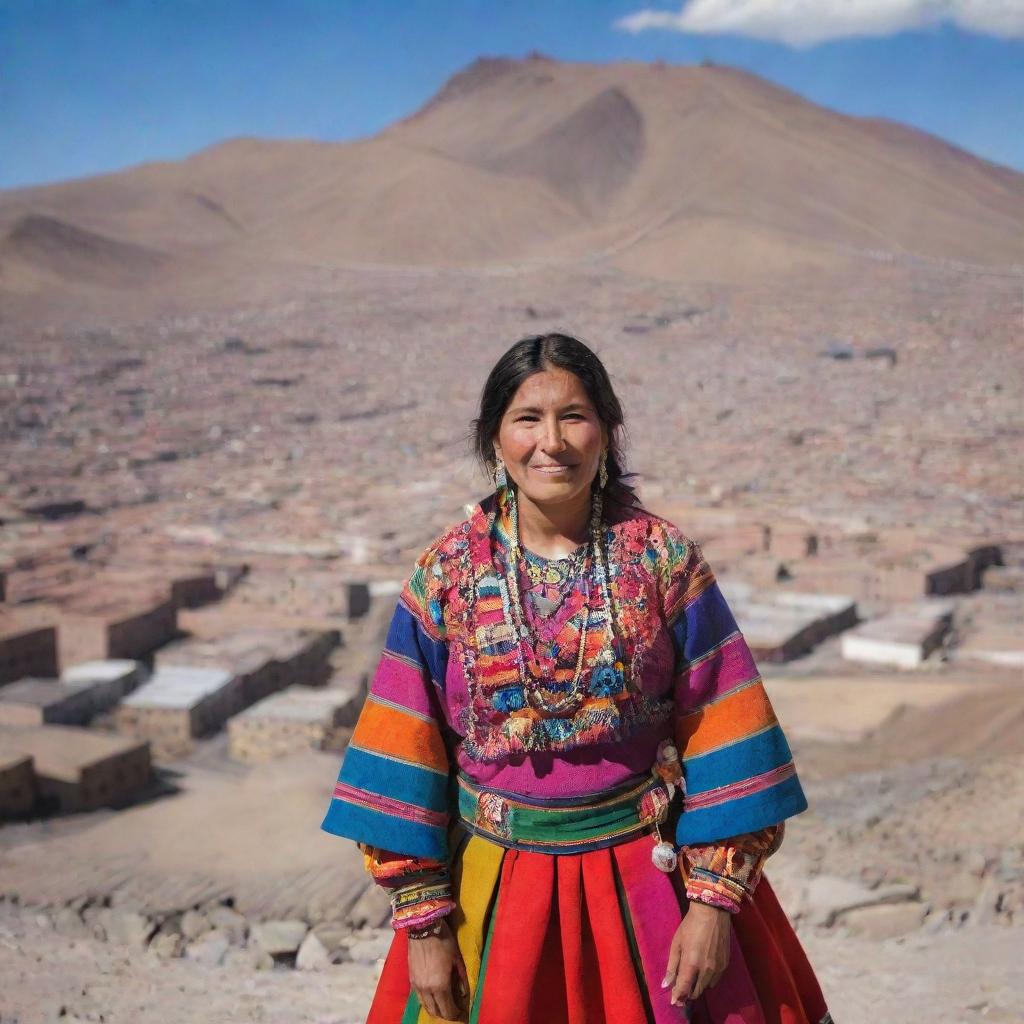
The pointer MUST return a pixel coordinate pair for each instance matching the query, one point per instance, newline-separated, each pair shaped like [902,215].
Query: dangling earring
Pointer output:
[500,478]
[602,470]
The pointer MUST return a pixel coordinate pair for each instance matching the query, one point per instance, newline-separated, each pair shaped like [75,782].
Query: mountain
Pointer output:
[65,251]
[668,171]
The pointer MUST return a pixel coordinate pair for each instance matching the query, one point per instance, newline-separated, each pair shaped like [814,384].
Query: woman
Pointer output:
[515,776]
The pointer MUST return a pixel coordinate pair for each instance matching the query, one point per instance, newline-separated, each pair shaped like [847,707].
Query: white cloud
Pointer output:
[807,22]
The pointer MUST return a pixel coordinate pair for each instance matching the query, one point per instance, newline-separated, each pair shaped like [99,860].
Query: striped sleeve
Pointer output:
[392,791]
[738,770]
[722,874]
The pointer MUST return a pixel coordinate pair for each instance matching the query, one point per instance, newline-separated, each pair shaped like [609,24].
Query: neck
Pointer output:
[553,530]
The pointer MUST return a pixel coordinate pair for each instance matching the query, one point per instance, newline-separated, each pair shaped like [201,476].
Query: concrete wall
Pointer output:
[27,652]
[141,633]
[195,590]
[88,636]
[44,702]
[80,770]
[17,785]
[177,705]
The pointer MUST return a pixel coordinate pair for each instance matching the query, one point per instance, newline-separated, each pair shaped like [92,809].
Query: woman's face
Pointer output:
[551,438]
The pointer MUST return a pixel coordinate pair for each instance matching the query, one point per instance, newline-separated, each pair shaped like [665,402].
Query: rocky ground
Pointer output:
[955,977]
[905,880]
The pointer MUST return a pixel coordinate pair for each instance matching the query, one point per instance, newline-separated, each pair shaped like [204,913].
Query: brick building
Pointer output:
[80,770]
[26,649]
[17,782]
[263,660]
[295,719]
[177,705]
[44,702]
[107,681]
[781,625]
[120,625]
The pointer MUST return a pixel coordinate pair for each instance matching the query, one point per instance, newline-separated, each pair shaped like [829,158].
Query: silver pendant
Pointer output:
[664,857]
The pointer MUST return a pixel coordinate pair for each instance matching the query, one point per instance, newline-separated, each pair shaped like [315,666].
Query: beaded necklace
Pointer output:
[607,678]
[549,587]
[555,571]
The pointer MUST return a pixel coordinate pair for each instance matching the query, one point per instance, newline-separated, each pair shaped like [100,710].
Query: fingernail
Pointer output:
[665,983]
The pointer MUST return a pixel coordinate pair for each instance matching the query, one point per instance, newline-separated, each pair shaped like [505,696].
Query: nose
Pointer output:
[553,440]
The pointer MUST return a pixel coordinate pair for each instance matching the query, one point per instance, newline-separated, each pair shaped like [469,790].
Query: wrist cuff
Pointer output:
[706,887]
[416,905]
[421,914]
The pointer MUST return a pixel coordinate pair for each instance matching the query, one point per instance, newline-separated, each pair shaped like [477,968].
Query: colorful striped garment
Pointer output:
[446,696]
[531,830]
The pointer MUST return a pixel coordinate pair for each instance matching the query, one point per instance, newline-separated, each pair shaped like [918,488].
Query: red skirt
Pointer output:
[584,939]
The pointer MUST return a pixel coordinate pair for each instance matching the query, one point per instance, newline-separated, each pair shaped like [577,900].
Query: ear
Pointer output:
[497,449]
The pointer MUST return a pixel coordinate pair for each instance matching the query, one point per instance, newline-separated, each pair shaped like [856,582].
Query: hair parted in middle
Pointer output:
[537,353]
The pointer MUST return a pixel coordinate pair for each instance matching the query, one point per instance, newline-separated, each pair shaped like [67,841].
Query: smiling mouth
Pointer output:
[552,469]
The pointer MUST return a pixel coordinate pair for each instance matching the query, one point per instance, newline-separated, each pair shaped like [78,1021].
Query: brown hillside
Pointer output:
[725,146]
[672,172]
[46,244]
[587,157]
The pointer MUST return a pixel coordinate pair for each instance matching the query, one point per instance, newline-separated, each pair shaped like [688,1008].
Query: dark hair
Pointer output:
[541,352]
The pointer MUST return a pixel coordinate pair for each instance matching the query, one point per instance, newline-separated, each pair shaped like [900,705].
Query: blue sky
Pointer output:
[95,85]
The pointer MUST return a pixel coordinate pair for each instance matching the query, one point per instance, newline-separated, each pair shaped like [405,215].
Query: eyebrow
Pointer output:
[574,407]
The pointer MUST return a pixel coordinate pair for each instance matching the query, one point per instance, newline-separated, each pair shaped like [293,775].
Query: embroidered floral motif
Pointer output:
[467,596]
[492,815]
[654,806]
[606,681]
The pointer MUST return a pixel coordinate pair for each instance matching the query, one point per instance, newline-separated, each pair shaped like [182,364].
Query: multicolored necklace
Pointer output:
[607,677]
[555,571]
[551,583]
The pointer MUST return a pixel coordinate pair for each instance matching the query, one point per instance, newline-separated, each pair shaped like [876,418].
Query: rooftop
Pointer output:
[99,671]
[178,686]
[63,751]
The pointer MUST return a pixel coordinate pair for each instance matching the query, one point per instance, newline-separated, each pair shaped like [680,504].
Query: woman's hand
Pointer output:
[434,965]
[700,952]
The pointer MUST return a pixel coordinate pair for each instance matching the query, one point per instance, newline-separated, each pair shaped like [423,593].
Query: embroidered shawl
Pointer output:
[447,692]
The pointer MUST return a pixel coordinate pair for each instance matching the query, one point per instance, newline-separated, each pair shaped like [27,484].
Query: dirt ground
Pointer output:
[952,978]
[900,776]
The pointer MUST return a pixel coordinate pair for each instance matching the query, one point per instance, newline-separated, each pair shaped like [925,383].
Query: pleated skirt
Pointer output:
[584,939]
